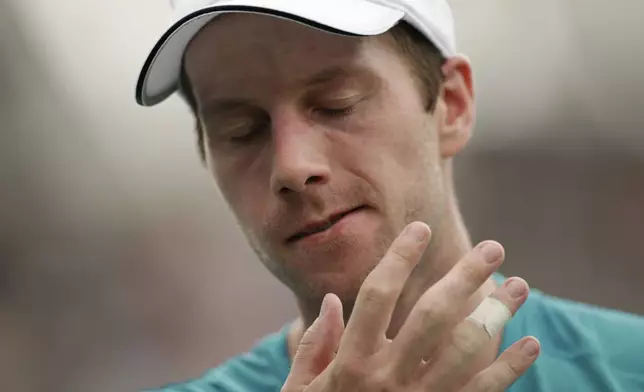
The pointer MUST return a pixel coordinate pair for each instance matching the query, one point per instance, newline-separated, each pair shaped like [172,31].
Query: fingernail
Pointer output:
[515,288]
[491,252]
[416,230]
[325,305]
[530,348]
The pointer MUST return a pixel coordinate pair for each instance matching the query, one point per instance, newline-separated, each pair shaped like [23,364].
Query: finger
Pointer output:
[510,365]
[437,310]
[317,346]
[472,334]
[379,292]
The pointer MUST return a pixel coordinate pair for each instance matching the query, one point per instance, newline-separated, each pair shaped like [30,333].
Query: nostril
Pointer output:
[293,185]
[313,180]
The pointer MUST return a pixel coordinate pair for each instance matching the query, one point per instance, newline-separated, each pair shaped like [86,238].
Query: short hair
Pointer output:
[423,57]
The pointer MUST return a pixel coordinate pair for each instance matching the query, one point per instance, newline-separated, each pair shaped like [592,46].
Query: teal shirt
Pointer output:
[583,348]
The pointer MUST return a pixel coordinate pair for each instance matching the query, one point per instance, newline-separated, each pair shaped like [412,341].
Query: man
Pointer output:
[330,128]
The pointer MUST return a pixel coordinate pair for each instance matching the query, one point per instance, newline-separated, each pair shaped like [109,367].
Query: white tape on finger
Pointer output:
[490,315]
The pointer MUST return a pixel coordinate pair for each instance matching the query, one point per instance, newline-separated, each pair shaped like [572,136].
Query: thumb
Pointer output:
[318,345]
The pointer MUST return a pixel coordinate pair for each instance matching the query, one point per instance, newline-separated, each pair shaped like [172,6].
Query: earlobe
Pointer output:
[456,102]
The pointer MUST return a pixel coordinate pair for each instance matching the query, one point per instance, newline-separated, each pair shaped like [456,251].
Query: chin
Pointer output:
[350,244]
[336,262]
[340,271]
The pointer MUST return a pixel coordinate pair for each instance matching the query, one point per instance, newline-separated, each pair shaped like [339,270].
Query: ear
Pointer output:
[455,106]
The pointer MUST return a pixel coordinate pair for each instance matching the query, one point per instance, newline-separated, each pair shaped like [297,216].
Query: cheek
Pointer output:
[401,147]
[244,193]
[398,156]
[403,131]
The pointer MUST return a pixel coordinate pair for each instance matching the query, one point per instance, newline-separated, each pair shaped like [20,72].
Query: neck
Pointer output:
[447,247]
[450,242]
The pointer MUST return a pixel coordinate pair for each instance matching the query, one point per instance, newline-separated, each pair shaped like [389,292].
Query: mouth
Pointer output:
[321,226]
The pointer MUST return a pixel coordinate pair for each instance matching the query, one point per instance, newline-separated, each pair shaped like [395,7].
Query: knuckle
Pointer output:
[390,378]
[372,293]
[435,312]
[511,370]
[471,272]
[349,374]
[466,343]
[307,342]
[355,375]
[401,254]
[382,381]
[486,385]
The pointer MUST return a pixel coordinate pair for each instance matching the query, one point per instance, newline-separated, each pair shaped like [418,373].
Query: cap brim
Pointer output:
[159,77]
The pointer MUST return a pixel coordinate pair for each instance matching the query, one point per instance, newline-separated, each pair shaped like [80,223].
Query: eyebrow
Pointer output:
[214,106]
[327,75]
[330,74]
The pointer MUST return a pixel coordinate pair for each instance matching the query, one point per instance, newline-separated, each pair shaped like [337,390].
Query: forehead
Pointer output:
[263,51]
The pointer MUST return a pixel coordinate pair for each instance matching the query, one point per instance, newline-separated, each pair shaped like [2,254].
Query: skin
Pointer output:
[434,350]
[301,124]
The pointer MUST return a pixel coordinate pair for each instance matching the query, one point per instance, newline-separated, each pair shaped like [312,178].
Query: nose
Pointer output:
[300,161]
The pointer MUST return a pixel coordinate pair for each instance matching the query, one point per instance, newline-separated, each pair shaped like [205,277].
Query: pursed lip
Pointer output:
[318,226]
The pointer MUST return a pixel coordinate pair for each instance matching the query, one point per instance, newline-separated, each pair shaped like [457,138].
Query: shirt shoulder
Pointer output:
[264,368]
[583,347]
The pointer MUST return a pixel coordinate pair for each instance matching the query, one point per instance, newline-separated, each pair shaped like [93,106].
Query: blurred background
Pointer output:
[121,268]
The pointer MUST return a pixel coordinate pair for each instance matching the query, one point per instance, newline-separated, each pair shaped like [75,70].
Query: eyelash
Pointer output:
[248,136]
[336,112]
[243,139]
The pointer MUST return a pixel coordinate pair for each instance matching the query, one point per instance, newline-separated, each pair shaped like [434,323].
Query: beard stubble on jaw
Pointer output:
[309,282]
[298,271]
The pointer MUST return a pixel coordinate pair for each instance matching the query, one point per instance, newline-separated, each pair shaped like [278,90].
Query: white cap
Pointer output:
[159,77]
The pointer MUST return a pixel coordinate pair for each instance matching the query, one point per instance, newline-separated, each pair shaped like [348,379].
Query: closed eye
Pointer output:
[335,112]
[248,135]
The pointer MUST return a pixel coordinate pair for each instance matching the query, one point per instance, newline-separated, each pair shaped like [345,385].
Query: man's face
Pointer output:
[320,143]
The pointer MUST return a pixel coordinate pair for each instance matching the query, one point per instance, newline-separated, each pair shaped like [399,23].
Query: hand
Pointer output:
[432,350]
